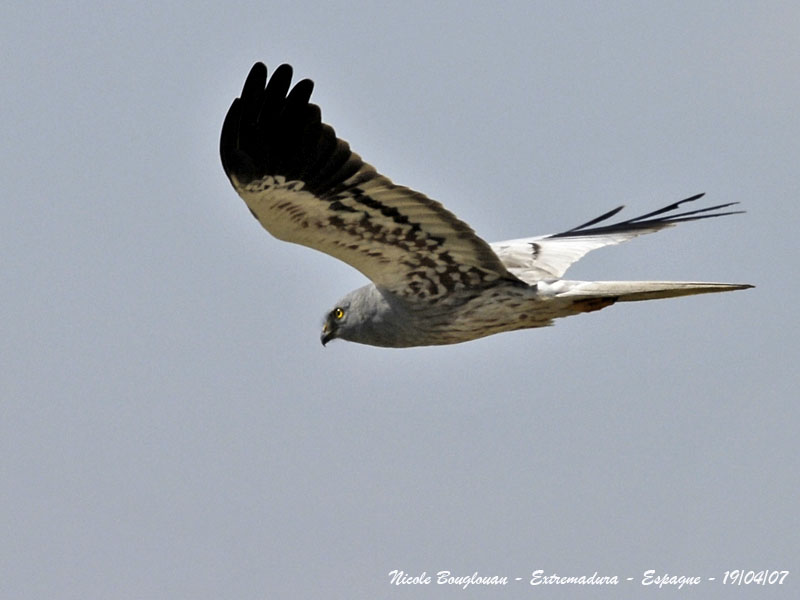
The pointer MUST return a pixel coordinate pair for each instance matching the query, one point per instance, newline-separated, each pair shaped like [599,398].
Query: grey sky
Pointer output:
[171,426]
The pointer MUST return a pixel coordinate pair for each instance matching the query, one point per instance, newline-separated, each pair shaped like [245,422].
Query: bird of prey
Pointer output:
[433,280]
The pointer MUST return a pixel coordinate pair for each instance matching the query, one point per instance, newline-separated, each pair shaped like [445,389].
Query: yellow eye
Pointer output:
[338,313]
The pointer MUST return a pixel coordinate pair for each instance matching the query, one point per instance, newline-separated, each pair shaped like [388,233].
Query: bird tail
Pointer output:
[608,292]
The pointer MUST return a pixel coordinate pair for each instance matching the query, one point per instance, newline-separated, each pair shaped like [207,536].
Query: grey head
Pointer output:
[371,316]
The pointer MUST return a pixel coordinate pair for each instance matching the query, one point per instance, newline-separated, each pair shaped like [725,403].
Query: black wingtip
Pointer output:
[274,129]
[651,219]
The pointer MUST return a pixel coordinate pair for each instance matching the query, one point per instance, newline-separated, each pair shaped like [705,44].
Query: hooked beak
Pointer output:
[327,334]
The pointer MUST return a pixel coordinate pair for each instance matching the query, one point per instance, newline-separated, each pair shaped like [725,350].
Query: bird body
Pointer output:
[434,281]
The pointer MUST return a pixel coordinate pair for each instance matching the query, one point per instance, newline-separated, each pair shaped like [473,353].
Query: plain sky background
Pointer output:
[171,427]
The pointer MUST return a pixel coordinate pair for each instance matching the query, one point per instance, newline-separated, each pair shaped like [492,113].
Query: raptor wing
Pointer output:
[306,186]
[549,256]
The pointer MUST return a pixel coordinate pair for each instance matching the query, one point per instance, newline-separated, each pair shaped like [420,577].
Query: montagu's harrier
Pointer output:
[434,281]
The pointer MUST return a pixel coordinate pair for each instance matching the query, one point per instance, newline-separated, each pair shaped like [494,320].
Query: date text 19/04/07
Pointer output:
[539,577]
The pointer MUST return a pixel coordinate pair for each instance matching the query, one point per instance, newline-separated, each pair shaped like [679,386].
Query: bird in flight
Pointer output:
[433,280]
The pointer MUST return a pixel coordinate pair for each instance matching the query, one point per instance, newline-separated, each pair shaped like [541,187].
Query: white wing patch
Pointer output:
[536,258]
